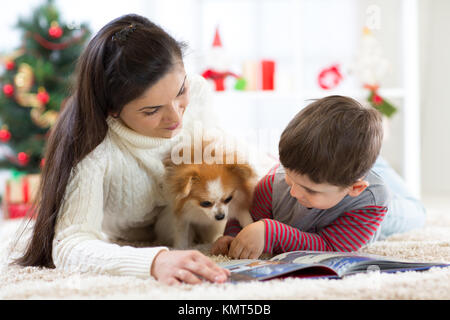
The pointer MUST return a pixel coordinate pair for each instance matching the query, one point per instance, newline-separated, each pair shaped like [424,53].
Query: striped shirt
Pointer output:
[348,226]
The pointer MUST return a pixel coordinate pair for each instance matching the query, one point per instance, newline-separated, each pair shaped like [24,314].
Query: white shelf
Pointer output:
[277,95]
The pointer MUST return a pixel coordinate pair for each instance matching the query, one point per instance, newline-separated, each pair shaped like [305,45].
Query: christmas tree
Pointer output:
[35,83]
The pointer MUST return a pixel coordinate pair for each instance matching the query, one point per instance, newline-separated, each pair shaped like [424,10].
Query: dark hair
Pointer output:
[333,140]
[125,58]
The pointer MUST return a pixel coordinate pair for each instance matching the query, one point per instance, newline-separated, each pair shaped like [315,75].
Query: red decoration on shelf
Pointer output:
[8,90]
[55,30]
[377,99]
[378,102]
[10,65]
[217,68]
[42,164]
[217,41]
[268,72]
[218,78]
[329,78]
[372,88]
[5,135]
[23,158]
[43,96]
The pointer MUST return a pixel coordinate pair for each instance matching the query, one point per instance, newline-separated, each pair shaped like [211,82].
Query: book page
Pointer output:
[246,270]
[351,262]
[338,261]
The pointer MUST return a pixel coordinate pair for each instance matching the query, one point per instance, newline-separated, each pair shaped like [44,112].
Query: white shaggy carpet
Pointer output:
[431,243]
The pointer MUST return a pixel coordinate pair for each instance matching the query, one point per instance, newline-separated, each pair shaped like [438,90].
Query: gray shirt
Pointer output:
[288,210]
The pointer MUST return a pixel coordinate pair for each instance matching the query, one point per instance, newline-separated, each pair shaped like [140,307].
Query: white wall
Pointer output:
[435,109]
[96,13]
[8,19]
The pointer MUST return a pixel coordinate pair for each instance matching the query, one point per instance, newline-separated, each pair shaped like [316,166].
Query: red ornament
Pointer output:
[23,158]
[43,96]
[8,90]
[5,135]
[55,31]
[330,78]
[42,164]
[10,65]
[377,100]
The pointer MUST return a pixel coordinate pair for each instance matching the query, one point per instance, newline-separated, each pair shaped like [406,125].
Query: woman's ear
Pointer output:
[356,188]
[114,114]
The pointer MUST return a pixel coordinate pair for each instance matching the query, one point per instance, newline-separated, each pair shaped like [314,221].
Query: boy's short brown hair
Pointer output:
[334,140]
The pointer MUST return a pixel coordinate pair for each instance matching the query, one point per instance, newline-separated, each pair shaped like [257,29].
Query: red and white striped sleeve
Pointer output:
[262,203]
[351,231]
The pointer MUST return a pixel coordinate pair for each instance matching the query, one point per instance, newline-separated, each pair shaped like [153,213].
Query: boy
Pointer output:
[324,195]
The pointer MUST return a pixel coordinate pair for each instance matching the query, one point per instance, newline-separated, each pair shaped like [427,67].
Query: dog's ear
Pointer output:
[246,180]
[184,181]
[243,171]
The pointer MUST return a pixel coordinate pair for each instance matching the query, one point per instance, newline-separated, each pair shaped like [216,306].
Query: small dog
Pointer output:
[203,197]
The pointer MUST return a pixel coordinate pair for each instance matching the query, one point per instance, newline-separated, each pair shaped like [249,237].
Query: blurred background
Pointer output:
[264,60]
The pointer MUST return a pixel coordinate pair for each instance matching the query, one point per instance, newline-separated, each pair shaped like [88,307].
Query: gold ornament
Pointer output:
[24,82]
[24,78]
[44,120]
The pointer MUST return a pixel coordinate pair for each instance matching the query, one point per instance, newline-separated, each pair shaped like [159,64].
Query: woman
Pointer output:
[102,181]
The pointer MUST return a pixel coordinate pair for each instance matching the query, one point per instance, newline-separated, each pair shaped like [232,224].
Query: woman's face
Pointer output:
[159,111]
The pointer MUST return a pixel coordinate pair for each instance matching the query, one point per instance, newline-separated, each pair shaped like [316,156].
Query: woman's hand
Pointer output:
[249,243]
[221,245]
[188,266]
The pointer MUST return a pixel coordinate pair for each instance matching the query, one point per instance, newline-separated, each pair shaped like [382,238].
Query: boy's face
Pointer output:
[319,196]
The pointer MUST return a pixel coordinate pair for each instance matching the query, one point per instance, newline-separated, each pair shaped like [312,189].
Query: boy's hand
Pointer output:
[221,245]
[249,243]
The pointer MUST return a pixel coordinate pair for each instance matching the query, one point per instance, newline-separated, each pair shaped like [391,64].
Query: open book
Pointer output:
[308,264]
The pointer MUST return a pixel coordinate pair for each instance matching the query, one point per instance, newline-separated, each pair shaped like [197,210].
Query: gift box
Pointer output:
[15,211]
[19,195]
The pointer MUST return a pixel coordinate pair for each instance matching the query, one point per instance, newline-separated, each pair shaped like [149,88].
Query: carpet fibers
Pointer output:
[432,243]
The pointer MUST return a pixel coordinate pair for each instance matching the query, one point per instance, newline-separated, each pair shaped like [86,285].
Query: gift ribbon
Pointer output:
[16,175]
[25,189]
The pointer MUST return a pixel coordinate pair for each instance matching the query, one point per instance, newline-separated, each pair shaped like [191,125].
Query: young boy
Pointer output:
[324,195]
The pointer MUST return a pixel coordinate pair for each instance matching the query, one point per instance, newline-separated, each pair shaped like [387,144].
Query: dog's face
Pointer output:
[203,193]
[210,196]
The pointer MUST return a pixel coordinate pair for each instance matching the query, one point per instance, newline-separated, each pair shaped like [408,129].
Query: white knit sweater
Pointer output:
[115,192]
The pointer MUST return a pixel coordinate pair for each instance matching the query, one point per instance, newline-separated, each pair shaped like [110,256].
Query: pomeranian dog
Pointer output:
[203,197]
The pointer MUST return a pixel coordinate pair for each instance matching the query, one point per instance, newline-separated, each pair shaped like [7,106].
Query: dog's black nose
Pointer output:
[220,216]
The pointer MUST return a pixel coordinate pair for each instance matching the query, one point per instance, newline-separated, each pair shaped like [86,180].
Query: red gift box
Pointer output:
[19,196]
[15,211]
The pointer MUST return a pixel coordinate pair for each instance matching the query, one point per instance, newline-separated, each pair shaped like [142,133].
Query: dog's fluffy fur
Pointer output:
[203,197]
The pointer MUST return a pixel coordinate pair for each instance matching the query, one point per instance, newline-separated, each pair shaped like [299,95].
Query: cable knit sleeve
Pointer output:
[79,244]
